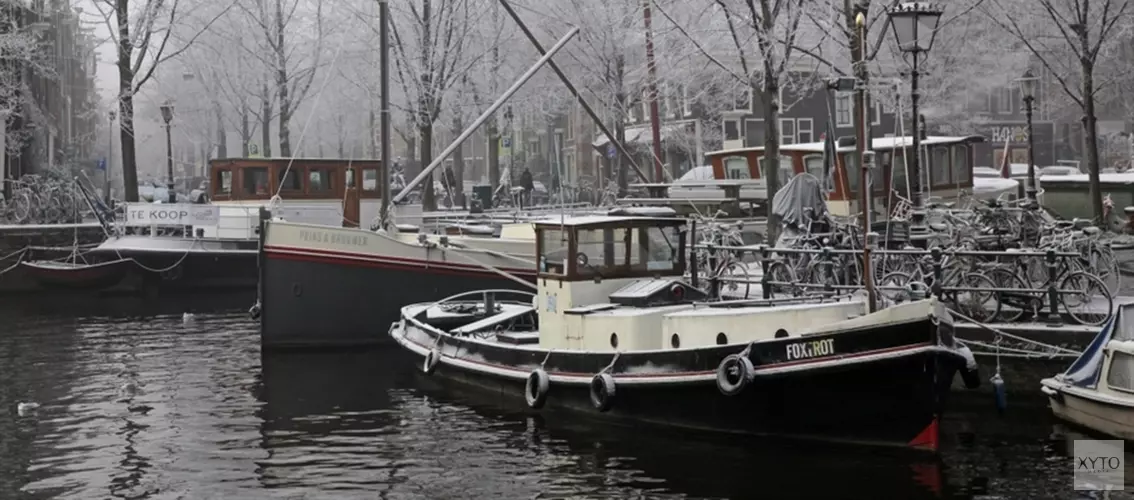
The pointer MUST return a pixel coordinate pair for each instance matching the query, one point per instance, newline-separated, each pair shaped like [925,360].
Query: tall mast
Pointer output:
[384,106]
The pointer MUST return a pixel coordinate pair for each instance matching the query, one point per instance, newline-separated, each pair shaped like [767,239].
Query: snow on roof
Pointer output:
[879,143]
[702,173]
[588,220]
[1123,178]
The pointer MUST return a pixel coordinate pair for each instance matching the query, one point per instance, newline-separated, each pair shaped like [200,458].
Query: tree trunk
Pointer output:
[428,200]
[245,131]
[342,133]
[281,84]
[458,163]
[493,155]
[770,94]
[265,122]
[222,136]
[373,135]
[126,101]
[1090,137]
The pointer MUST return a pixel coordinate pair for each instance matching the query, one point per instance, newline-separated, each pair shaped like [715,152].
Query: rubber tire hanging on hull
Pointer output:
[535,390]
[744,372]
[432,359]
[602,392]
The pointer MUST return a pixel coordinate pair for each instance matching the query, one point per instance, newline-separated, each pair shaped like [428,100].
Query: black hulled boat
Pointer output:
[613,332]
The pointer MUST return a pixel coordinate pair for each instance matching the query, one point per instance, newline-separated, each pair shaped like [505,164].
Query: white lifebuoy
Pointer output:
[432,359]
[734,373]
[535,390]
[602,391]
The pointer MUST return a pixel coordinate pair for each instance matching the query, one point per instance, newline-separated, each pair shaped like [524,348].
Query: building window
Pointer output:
[744,100]
[844,114]
[805,130]
[877,111]
[732,130]
[787,131]
[1004,98]
[979,103]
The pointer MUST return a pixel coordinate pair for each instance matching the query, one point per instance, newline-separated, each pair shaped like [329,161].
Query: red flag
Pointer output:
[1005,166]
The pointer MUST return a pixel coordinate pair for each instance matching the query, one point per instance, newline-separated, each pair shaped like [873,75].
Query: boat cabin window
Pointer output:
[319,180]
[1121,373]
[853,173]
[611,251]
[289,179]
[898,170]
[255,180]
[813,164]
[939,170]
[962,169]
[736,167]
[553,251]
[786,171]
[370,179]
[223,180]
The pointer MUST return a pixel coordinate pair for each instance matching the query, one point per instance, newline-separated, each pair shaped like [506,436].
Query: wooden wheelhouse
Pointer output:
[948,168]
[338,181]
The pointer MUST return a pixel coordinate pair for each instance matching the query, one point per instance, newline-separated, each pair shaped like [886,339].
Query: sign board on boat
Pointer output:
[175,214]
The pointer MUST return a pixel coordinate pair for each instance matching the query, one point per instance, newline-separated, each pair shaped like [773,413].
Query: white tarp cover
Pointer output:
[801,192]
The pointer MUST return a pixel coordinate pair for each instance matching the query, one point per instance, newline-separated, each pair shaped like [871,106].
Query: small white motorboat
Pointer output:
[1097,391]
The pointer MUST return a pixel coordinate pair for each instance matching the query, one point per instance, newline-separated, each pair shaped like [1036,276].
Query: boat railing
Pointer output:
[1002,283]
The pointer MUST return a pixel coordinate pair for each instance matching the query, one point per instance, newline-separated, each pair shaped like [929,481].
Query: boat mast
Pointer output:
[652,90]
[626,156]
[384,107]
[486,114]
[860,151]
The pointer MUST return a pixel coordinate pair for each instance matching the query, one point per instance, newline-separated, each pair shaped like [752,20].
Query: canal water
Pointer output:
[136,402]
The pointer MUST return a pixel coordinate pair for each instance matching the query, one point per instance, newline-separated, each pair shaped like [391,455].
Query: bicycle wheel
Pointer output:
[1013,305]
[736,281]
[1086,298]
[895,286]
[1106,268]
[976,297]
[783,279]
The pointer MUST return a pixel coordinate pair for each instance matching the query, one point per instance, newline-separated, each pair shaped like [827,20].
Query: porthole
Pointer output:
[675,341]
[781,333]
[722,339]
[614,340]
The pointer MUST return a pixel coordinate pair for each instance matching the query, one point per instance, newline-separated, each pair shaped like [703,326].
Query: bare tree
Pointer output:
[143,43]
[293,69]
[1068,37]
[430,57]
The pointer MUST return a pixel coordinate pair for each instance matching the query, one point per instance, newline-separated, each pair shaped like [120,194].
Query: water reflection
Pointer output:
[145,406]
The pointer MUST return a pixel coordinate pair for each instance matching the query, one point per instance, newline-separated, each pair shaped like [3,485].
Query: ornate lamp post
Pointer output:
[915,27]
[167,115]
[1027,84]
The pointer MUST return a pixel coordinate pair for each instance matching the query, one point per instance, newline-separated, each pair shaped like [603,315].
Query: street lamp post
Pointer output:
[167,115]
[915,27]
[109,156]
[1027,84]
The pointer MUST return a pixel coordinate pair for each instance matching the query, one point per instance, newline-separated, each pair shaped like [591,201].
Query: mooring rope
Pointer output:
[1004,334]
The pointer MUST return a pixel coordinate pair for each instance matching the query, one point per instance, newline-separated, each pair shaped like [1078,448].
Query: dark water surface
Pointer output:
[210,418]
